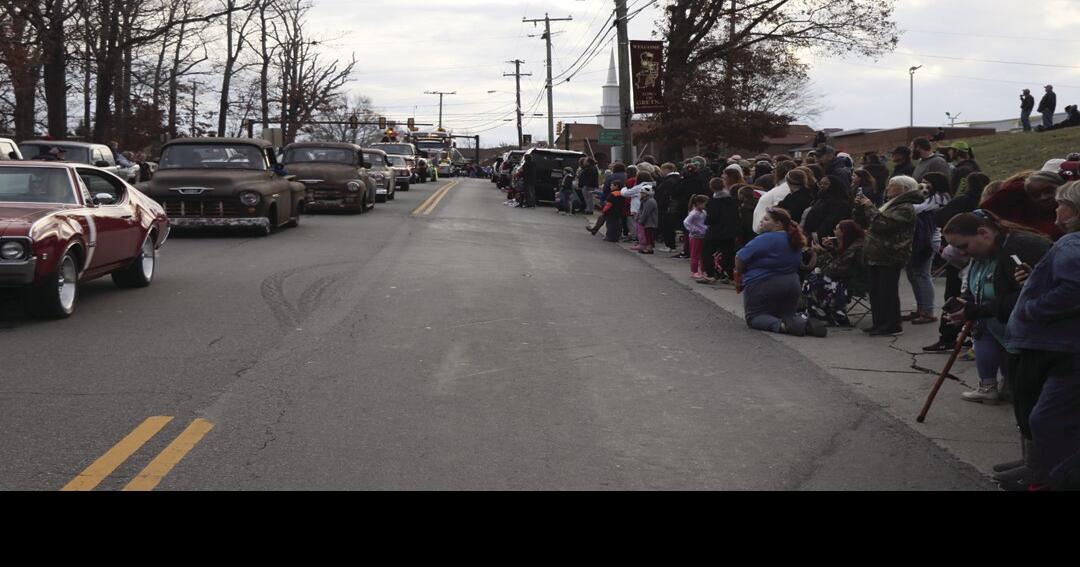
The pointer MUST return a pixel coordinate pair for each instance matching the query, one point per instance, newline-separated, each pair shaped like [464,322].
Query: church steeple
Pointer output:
[609,111]
[612,75]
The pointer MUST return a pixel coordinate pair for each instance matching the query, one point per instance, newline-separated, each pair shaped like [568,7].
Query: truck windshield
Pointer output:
[324,155]
[396,149]
[212,156]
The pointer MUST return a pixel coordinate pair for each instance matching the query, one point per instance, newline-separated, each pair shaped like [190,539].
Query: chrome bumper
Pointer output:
[196,222]
[18,273]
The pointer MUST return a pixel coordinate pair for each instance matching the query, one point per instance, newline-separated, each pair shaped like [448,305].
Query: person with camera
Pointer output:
[996,248]
[839,274]
[1044,329]
[1027,104]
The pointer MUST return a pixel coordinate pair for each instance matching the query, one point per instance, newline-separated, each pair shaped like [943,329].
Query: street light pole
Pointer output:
[518,75]
[550,98]
[911,97]
[441,94]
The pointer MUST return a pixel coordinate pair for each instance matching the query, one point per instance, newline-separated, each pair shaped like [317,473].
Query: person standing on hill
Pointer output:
[1047,106]
[1027,104]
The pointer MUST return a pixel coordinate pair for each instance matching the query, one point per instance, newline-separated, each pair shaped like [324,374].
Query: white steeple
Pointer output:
[609,111]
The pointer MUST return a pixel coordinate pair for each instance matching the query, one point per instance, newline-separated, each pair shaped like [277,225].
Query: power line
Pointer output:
[995,36]
[995,61]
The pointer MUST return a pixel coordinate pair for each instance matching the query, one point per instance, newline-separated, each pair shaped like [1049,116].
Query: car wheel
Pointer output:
[141,270]
[60,292]
[405,187]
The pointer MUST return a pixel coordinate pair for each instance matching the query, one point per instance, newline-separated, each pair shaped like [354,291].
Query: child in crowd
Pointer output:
[648,220]
[696,229]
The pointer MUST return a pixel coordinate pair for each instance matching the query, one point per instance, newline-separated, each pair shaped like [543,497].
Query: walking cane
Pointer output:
[945,371]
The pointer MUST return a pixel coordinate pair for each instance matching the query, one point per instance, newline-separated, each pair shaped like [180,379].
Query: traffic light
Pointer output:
[382,123]
[558,128]
[354,122]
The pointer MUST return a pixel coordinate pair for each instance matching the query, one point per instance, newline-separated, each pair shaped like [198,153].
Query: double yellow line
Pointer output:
[156,470]
[434,199]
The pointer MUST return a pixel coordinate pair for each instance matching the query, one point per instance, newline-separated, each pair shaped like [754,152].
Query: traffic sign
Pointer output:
[610,137]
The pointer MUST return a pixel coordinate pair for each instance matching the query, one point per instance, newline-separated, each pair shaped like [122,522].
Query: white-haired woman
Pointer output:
[890,231]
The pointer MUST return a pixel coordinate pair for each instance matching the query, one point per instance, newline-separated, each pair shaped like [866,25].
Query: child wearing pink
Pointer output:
[696,229]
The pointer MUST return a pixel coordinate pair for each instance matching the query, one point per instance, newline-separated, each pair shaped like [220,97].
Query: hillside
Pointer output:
[1005,154]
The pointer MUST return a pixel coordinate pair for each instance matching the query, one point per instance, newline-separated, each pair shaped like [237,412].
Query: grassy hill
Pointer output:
[1002,155]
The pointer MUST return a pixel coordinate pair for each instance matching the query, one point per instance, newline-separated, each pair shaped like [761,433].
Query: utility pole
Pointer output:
[551,101]
[518,75]
[911,97]
[441,94]
[624,81]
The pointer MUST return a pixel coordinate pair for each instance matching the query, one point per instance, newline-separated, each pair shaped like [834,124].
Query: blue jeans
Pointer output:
[1048,119]
[989,357]
[1025,120]
[1055,420]
[769,302]
[918,273]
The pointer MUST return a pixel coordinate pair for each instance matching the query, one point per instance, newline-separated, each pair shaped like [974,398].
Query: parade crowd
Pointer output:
[806,240]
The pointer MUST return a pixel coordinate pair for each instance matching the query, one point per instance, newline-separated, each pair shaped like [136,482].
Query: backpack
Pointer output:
[924,234]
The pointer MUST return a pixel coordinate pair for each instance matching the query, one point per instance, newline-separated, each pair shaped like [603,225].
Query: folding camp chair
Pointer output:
[858,306]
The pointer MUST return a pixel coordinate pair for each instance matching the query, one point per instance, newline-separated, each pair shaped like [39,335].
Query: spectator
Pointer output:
[694,182]
[839,274]
[118,156]
[992,290]
[1071,120]
[612,212]
[763,175]
[589,184]
[938,136]
[767,269]
[528,179]
[775,195]
[565,200]
[890,232]
[748,200]
[864,182]
[875,166]
[648,220]
[1048,106]
[832,206]
[925,244]
[799,181]
[671,212]
[722,220]
[928,160]
[965,165]
[1027,104]
[644,182]
[902,164]
[969,201]
[1044,328]
[55,153]
[1027,199]
[694,223]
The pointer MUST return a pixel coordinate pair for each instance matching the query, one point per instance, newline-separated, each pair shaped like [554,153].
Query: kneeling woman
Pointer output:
[767,269]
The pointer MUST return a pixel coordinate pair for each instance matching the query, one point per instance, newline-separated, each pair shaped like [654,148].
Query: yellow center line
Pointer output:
[167,459]
[431,197]
[113,458]
[439,198]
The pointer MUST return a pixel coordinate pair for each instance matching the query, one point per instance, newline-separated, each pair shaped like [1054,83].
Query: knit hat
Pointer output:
[1046,176]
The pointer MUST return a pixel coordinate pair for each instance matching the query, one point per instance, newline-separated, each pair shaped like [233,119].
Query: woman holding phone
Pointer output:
[992,288]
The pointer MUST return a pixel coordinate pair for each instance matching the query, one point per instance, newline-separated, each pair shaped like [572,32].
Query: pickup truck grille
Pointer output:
[202,209]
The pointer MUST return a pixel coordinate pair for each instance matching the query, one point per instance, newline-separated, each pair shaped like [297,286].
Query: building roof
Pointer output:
[797,134]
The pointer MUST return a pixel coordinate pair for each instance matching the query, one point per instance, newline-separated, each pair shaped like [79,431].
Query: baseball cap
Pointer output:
[962,146]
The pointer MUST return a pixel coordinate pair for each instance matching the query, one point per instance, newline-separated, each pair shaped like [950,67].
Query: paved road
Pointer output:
[472,347]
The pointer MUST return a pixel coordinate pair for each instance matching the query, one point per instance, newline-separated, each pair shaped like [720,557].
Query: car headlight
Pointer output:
[250,199]
[12,251]
[353,186]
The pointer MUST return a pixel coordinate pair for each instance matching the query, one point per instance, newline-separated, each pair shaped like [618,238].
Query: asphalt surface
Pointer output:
[474,347]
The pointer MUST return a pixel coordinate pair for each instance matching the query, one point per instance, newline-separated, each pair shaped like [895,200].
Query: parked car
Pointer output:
[335,175]
[495,170]
[63,224]
[402,175]
[549,170]
[97,155]
[225,182]
[9,150]
[510,160]
[382,175]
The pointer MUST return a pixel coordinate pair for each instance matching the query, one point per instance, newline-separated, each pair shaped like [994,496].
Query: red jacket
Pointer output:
[1012,203]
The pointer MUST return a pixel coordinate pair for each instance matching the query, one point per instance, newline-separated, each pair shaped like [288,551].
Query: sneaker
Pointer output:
[909,317]
[940,346]
[924,320]
[816,328]
[680,256]
[984,395]
[886,333]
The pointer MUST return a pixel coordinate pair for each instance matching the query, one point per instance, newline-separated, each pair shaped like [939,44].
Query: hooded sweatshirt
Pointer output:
[935,162]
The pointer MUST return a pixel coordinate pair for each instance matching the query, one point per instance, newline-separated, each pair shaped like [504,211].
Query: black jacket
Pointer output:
[962,171]
[1048,102]
[1030,248]
[825,214]
[839,168]
[907,169]
[589,177]
[528,173]
[665,194]
[722,218]
[797,203]
[963,204]
[1028,103]
[880,173]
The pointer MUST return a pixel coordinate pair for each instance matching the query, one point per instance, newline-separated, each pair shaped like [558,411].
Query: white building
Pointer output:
[609,110]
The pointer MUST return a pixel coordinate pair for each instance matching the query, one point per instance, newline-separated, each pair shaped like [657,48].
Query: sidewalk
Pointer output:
[882,370]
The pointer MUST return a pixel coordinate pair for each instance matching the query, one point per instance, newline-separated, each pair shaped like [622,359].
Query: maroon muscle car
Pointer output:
[62,224]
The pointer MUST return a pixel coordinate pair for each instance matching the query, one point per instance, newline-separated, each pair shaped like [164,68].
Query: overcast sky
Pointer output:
[463,46]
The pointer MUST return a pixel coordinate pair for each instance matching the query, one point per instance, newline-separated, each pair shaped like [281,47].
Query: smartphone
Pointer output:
[953,305]
[860,193]
[1016,259]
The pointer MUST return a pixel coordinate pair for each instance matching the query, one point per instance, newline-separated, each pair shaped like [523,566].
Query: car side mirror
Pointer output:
[279,170]
[104,199]
[101,163]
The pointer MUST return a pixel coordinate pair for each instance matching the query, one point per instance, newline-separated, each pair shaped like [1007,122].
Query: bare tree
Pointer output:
[340,110]
[21,54]
[236,29]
